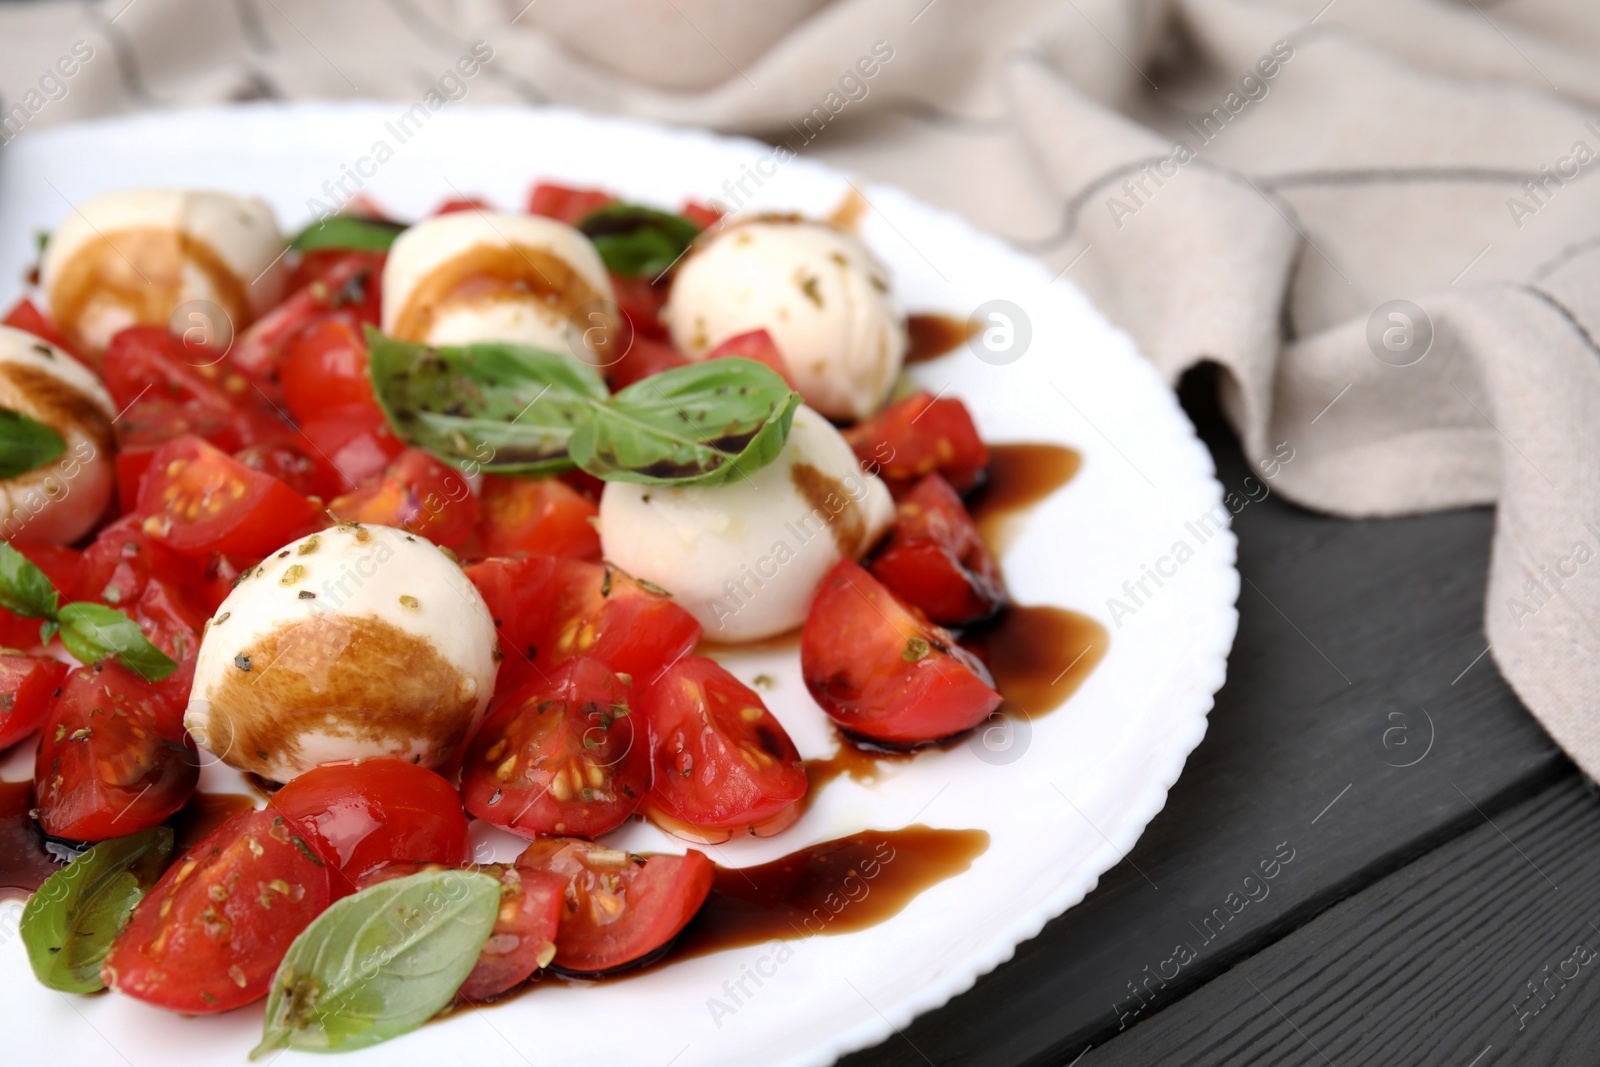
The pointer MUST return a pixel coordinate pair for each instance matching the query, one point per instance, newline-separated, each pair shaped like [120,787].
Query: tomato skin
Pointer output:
[209,935]
[122,561]
[27,688]
[96,777]
[756,345]
[548,610]
[464,203]
[325,367]
[220,575]
[702,215]
[658,898]
[351,446]
[524,934]
[362,815]
[881,670]
[323,280]
[936,560]
[25,316]
[419,495]
[723,762]
[62,566]
[563,756]
[566,203]
[644,357]
[641,301]
[918,436]
[148,365]
[197,499]
[537,516]
[286,461]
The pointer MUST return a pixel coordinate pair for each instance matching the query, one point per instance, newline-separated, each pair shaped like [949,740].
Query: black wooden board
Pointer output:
[1359,652]
[1483,953]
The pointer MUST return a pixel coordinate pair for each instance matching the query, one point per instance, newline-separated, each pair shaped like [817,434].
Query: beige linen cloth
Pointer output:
[1250,183]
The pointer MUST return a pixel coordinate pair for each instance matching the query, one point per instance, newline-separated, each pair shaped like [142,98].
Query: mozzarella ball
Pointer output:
[745,558]
[60,501]
[134,257]
[815,289]
[477,276]
[355,642]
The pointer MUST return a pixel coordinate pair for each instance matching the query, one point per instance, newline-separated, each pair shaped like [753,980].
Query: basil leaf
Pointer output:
[69,924]
[704,424]
[26,444]
[24,589]
[93,631]
[379,963]
[495,406]
[636,240]
[348,231]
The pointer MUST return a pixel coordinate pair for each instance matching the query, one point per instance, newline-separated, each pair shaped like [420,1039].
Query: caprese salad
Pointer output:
[431,532]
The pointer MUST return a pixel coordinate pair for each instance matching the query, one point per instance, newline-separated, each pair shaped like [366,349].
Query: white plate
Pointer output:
[1068,804]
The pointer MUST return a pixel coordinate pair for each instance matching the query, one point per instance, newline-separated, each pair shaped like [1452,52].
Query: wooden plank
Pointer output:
[1484,952]
[1354,637]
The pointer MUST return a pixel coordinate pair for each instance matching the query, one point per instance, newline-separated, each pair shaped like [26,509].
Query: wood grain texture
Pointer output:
[1353,638]
[1484,952]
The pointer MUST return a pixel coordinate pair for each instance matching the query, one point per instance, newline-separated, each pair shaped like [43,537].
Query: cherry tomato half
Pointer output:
[881,670]
[198,500]
[563,756]
[538,516]
[618,908]
[417,494]
[758,346]
[149,365]
[645,356]
[210,935]
[364,814]
[565,203]
[936,560]
[524,935]
[113,755]
[27,687]
[325,366]
[351,445]
[723,762]
[918,436]
[322,281]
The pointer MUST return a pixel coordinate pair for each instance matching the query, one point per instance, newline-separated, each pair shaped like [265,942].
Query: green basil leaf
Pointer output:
[494,406]
[69,924]
[26,444]
[24,589]
[93,631]
[637,240]
[704,424]
[348,231]
[379,963]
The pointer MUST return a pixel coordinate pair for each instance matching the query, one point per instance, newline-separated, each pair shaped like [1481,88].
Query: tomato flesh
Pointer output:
[539,516]
[113,755]
[524,935]
[362,815]
[548,610]
[563,756]
[322,281]
[618,908]
[209,936]
[936,559]
[197,499]
[351,445]
[917,436]
[419,495]
[881,670]
[325,366]
[566,203]
[723,762]
[27,687]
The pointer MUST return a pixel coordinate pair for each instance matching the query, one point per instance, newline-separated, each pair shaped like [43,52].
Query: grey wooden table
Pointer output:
[1434,897]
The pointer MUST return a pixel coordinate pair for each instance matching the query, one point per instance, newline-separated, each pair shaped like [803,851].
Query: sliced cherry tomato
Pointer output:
[325,366]
[288,462]
[548,610]
[113,755]
[352,445]
[28,318]
[210,935]
[537,516]
[524,935]
[197,500]
[936,560]
[144,364]
[919,436]
[563,756]
[173,618]
[881,670]
[641,301]
[565,203]
[121,562]
[723,763]
[27,687]
[618,908]
[417,494]
[465,203]
[645,356]
[756,345]
[220,575]
[62,566]
[373,812]
[585,483]
[702,215]
[322,281]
